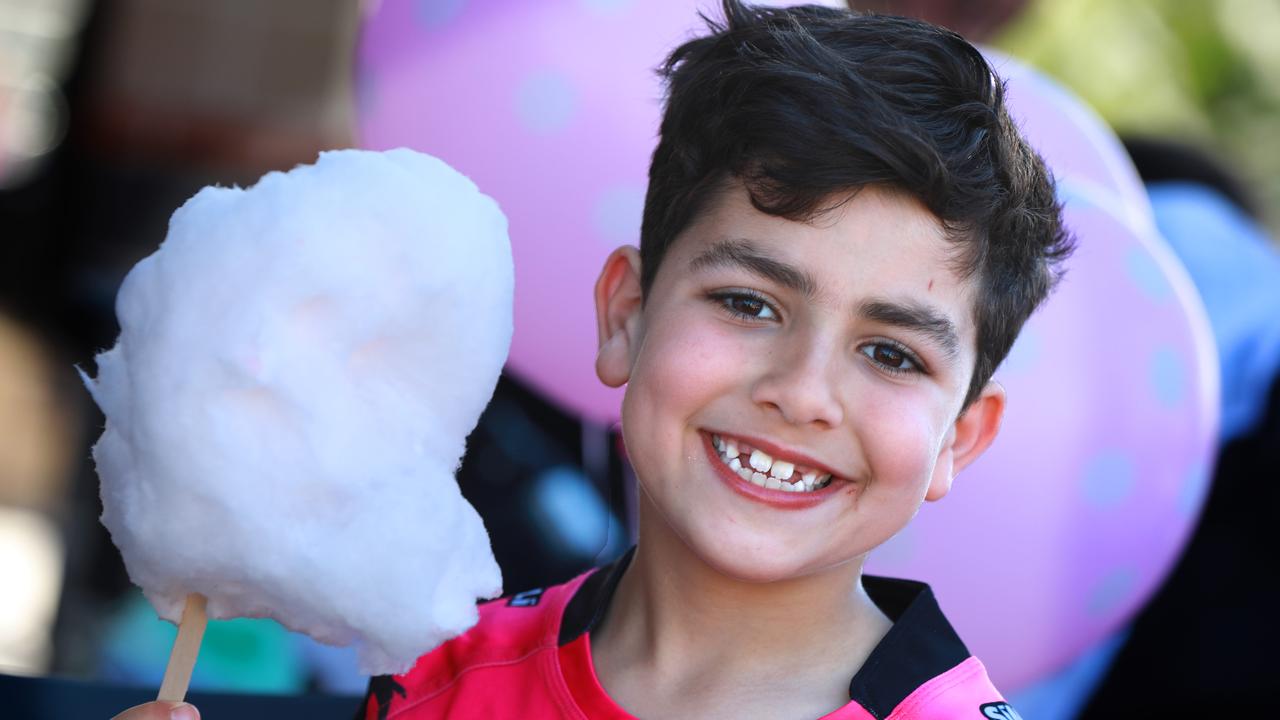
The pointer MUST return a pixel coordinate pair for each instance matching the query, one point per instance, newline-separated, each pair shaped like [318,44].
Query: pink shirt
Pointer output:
[529,657]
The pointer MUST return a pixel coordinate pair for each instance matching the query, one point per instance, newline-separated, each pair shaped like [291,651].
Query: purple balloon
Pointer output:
[1050,541]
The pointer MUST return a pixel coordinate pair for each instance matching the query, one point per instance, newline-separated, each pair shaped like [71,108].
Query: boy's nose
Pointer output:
[799,385]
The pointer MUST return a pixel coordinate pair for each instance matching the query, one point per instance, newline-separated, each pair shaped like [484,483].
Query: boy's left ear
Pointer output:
[970,436]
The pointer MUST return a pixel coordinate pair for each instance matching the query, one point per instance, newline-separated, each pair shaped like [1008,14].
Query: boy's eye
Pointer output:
[754,307]
[746,305]
[891,357]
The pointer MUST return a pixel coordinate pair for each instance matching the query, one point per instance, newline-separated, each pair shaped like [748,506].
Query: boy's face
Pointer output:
[842,346]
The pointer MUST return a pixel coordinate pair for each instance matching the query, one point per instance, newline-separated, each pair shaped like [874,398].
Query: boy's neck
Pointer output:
[675,618]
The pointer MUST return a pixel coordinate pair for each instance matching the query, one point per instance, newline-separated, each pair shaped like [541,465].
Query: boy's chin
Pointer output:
[749,563]
[757,575]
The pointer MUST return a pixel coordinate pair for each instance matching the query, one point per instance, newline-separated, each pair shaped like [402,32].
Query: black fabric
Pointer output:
[589,603]
[54,698]
[920,646]
[381,688]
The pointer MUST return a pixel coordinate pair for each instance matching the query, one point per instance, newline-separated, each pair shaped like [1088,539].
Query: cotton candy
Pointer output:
[298,368]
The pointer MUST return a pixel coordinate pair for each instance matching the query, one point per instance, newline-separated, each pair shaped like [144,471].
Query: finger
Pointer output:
[160,711]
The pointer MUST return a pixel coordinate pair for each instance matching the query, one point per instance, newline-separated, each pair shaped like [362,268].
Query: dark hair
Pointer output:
[805,104]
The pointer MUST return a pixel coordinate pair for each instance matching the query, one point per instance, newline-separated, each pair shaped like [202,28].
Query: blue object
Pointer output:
[1063,696]
[1236,268]
[571,514]
[241,655]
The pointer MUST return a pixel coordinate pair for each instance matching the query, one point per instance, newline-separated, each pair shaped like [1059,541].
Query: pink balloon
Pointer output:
[1053,539]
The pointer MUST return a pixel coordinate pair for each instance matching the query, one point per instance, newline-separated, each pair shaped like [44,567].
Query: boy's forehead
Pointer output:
[873,246]
[875,230]
[868,213]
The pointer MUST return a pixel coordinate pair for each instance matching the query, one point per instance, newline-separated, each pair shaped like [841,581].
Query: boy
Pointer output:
[842,236]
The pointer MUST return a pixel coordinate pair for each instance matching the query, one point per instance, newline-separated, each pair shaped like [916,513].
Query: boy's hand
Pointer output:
[160,711]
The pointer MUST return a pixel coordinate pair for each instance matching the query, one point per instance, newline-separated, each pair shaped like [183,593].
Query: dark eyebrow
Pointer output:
[743,254]
[915,317]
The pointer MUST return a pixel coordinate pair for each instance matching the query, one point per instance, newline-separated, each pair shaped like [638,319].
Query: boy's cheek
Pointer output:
[900,436]
[690,362]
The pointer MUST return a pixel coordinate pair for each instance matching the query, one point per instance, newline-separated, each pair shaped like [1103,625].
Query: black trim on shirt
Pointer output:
[920,646]
[589,603]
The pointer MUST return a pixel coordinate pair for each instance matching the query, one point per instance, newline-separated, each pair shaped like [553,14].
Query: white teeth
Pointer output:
[761,461]
[761,469]
[782,469]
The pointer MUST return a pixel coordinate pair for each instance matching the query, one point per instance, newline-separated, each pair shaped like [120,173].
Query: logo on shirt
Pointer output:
[999,711]
[528,598]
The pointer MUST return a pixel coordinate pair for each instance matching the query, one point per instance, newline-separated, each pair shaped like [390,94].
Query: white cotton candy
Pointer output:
[298,368]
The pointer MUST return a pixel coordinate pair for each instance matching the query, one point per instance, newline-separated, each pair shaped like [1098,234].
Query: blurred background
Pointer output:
[113,112]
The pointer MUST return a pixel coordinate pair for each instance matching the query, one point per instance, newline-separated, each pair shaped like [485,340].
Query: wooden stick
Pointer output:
[182,659]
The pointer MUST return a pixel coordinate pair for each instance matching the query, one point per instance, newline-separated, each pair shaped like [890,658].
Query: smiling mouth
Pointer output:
[759,468]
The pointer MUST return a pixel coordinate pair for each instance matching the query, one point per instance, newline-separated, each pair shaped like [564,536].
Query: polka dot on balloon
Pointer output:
[617,214]
[545,101]
[607,7]
[1146,274]
[1074,190]
[1109,478]
[1113,590]
[1168,377]
[439,13]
